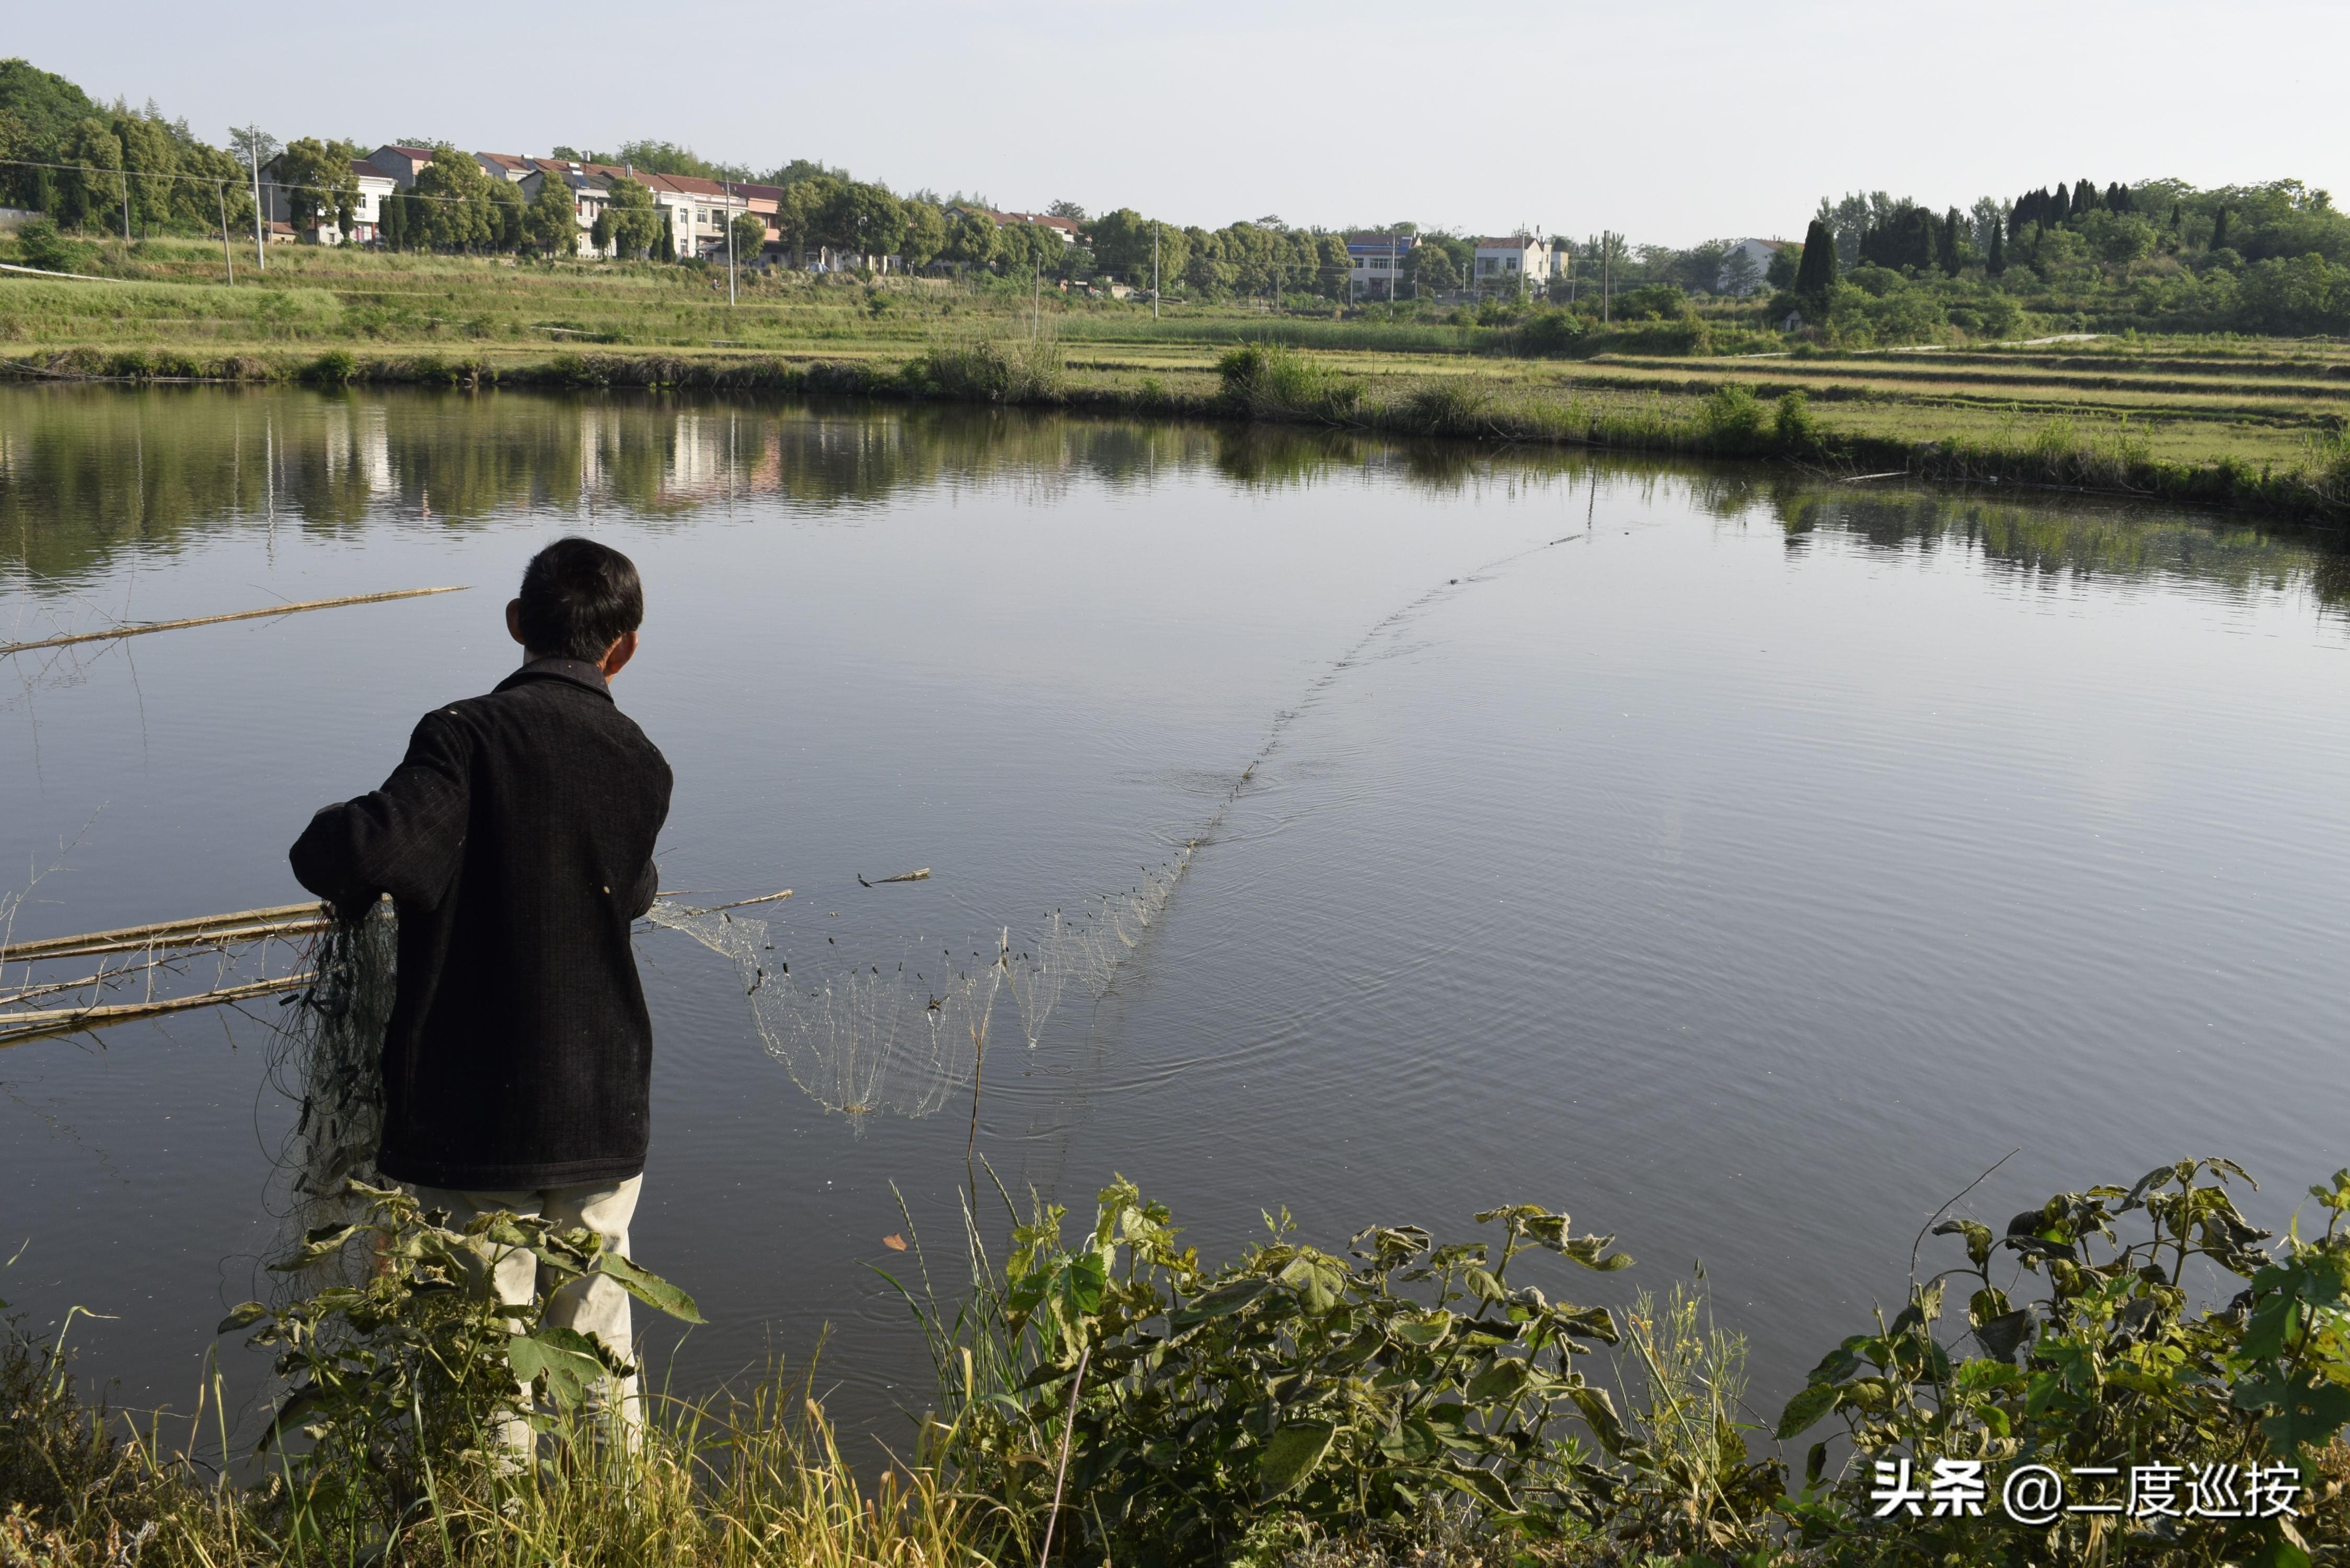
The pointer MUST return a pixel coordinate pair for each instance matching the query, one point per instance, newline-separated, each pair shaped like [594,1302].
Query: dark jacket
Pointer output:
[518,840]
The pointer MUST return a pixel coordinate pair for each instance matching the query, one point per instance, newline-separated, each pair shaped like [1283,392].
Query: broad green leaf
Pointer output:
[1599,1413]
[245,1316]
[648,1287]
[1290,1455]
[1500,1381]
[565,1358]
[1424,1329]
[1481,1484]
[1222,1302]
[1805,1410]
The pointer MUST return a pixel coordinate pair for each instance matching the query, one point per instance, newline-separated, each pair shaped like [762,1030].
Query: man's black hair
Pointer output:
[577,598]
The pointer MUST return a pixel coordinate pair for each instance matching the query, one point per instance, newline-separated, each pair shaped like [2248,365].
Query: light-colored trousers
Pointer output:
[595,1305]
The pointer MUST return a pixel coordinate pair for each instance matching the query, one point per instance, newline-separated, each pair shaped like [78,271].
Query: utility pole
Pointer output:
[1606,277]
[126,209]
[1154,269]
[227,260]
[253,149]
[1036,302]
[728,186]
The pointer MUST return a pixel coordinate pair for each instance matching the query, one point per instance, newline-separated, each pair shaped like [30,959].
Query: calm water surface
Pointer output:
[1741,866]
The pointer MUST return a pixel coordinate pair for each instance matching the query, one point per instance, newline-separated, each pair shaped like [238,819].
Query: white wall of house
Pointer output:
[1513,261]
[1760,252]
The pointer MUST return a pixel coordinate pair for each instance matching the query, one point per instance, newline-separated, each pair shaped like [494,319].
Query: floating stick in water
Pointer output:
[140,629]
[921,875]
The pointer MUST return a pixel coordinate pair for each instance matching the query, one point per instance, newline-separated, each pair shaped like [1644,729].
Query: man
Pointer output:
[516,839]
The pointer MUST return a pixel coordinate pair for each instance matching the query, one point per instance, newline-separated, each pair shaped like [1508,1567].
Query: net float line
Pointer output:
[140,629]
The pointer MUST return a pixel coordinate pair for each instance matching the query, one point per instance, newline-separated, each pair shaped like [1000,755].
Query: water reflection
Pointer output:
[88,471]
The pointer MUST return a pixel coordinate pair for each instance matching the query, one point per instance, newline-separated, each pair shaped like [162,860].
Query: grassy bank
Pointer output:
[1111,1397]
[2256,424]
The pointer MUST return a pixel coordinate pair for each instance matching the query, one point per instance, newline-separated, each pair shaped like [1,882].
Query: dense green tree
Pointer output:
[800,215]
[600,232]
[1430,270]
[750,235]
[864,220]
[926,233]
[1815,277]
[392,222]
[1946,243]
[971,239]
[635,225]
[509,220]
[152,155]
[551,222]
[1995,263]
[453,201]
[2219,231]
[318,187]
[88,191]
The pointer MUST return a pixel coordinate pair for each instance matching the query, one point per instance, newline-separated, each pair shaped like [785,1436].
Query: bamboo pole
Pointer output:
[24,1027]
[140,627]
[184,932]
[207,937]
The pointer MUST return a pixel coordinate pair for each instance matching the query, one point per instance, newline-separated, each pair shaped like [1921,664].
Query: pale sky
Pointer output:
[1672,122]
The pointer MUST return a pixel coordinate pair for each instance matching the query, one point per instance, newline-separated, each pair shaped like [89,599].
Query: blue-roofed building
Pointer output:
[1377,264]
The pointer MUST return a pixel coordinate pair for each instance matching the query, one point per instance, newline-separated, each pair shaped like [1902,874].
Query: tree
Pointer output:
[1784,263]
[864,220]
[971,239]
[317,183]
[667,244]
[1430,270]
[750,235]
[454,202]
[800,215]
[550,225]
[600,232]
[85,191]
[926,234]
[636,222]
[2219,231]
[1946,243]
[1068,210]
[1996,265]
[153,158]
[508,219]
[1815,277]
[1737,275]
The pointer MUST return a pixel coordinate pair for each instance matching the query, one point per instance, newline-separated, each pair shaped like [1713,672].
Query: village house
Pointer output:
[1740,279]
[1513,261]
[1063,229]
[279,204]
[402,163]
[1376,263]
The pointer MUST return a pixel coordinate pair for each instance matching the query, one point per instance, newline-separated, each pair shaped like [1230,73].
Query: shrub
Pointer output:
[1208,1409]
[1272,380]
[334,368]
[44,247]
[1792,425]
[1449,405]
[1732,418]
[2111,1365]
[1020,371]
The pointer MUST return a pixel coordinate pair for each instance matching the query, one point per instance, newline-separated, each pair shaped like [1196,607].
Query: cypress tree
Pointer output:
[1815,275]
[392,227]
[2219,231]
[1922,238]
[1997,262]
[1950,241]
[2059,209]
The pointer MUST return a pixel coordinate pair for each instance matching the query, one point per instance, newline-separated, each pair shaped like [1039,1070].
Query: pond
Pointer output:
[1742,862]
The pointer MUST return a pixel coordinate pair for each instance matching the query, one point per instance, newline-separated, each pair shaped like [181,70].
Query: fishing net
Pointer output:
[327,1058]
[860,1041]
